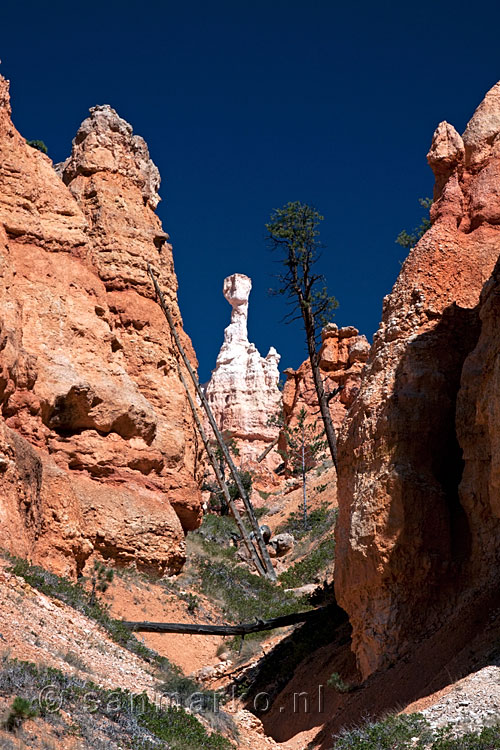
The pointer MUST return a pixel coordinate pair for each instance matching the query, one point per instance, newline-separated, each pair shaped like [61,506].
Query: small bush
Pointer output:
[39,145]
[245,596]
[136,721]
[307,569]
[393,733]
[100,579]
[74,660]
[75,596]
[20,710]
[319,520]
[188,693]
[217,498]
[191,600]
[219,535]
[219,529]
[487,738]
[181,730]
[335,681]
[413,732]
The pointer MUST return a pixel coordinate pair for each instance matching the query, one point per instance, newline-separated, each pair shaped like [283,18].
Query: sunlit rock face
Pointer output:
[98,453]
[409,524]
[243,390]
[342,358]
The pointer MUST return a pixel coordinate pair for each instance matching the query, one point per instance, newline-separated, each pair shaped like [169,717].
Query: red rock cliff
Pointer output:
[97,446]
[478,429]
[404,532]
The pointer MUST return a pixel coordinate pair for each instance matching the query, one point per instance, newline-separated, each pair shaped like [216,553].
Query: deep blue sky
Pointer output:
[248,105]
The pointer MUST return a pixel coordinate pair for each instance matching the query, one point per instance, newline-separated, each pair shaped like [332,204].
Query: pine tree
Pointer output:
[293,232]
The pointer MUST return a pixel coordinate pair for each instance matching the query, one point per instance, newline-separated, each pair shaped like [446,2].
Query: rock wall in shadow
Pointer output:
[404,539]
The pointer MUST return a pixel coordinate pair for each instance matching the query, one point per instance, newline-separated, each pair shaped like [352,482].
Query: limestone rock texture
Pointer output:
[98,453]
[243,390]
[410,528]
[342,358]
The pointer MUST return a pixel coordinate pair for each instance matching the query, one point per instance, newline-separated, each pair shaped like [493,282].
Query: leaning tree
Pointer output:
[293,233]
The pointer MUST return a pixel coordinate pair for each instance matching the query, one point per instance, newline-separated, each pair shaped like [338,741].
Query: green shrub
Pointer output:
[184,688]
[320,520]
[39,145]
[77,597]
[219,534]
[181,730]
[20,710]
[409,240]
[218,529]
[136,721]
[486,739]
[217,498]
[413,732]
[337,683]
[72,658]
[100,579]
[191,600]
[393,733]
[307,569]
[243,595]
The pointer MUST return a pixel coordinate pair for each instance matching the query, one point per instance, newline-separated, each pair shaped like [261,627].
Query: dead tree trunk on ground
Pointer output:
[242,629]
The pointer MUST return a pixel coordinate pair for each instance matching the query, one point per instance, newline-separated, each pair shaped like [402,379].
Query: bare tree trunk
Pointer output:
[232,468]
[318,384]
[221,481]
[304,488]
[243,629]
[268,450]
[325,413]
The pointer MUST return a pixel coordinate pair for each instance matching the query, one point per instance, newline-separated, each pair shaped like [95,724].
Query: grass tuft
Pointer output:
[74,595]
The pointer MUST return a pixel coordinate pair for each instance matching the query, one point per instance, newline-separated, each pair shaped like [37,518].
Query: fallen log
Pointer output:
[242,629]
[268,450]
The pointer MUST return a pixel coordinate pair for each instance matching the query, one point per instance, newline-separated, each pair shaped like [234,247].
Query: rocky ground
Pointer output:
[469,703]
[40,629]
[43,630]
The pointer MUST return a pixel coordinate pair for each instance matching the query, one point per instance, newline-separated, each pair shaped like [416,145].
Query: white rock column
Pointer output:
[243,390]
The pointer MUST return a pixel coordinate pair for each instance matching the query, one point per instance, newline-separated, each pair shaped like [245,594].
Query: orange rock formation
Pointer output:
[411,529]
[341,358]
[97,445]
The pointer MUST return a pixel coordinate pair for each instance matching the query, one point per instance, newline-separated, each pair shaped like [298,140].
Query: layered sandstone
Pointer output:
[243,390]
[98,451]
[404,534]
[342,358]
